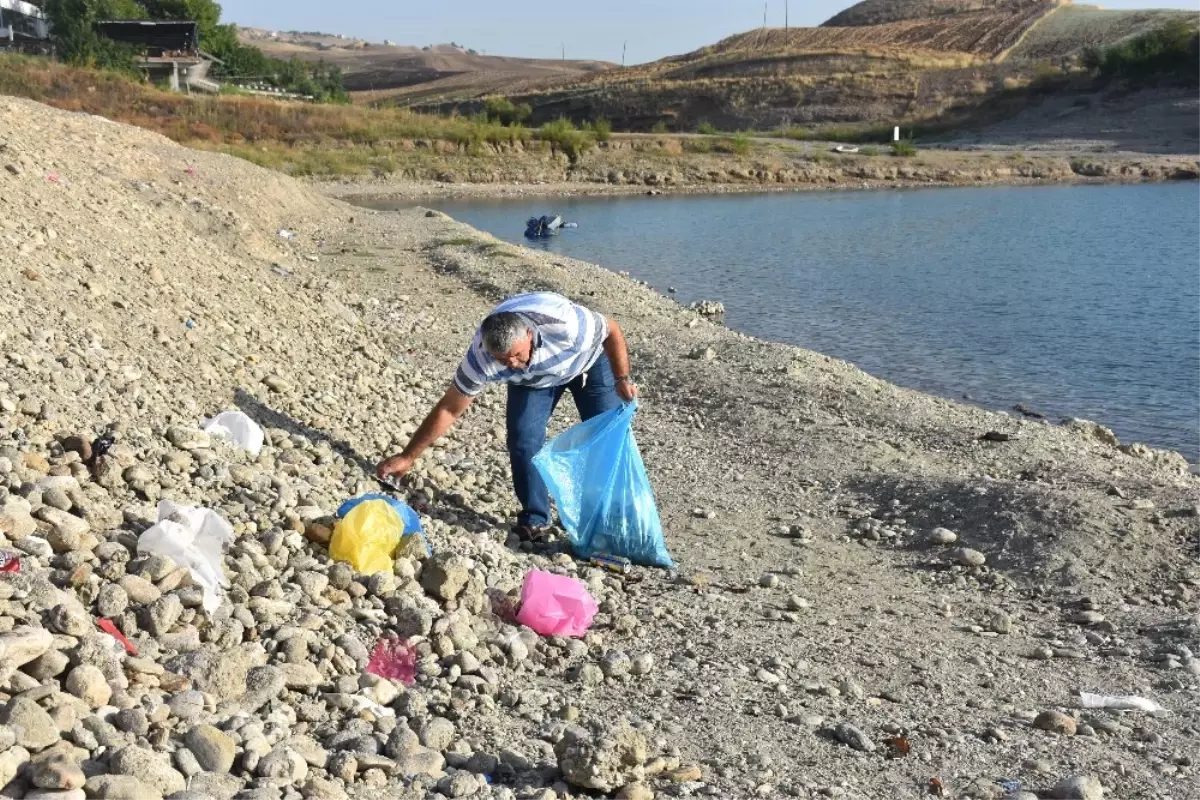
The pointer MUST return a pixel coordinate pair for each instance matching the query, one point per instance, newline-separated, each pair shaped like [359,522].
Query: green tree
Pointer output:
[1171,50]
[73,29]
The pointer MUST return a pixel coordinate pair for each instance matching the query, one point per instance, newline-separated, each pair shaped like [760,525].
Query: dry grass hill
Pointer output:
[880,61]
[375,72]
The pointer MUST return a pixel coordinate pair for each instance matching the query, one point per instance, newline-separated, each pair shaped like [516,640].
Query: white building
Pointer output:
[22,22]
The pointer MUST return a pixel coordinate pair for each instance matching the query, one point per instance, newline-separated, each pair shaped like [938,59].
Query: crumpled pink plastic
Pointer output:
[555,605]
[395,660]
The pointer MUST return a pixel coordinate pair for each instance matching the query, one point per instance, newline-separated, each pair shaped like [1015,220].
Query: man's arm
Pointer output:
[443,416]
[618,358]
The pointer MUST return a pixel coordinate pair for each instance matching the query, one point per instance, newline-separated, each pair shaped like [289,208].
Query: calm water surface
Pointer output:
[1075,301]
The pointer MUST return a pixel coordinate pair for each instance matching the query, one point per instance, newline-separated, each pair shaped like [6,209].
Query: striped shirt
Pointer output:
[567,340]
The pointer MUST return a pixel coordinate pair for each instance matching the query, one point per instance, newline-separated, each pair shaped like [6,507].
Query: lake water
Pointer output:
[1078,301]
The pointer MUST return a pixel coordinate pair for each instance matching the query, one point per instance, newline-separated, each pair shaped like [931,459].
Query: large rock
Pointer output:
[20,646]
[283,766]
[263,684]
[445,576]
[216,786]
[162,614]
[213,748]
[88,683]
[56,794]
[35,728]
[12,759]
[16,521]
[438,733]
[49,665]
[112,600]
[602,759]
[853,736]
[1055,722]
[318,788]
[139,591]
[58,773]
[411,758]
[304,675]
[120,787]
[66,529]
[188,438]
[70,619]
[219,673]
[153,769]
[1078,787]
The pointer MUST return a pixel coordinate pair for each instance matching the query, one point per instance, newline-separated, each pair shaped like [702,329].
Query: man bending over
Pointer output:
[541,345]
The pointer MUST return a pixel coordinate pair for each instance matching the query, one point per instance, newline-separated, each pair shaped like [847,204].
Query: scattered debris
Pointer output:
[1119,703]
[393,659]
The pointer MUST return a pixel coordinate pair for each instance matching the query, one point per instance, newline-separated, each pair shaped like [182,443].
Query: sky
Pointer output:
[591,30]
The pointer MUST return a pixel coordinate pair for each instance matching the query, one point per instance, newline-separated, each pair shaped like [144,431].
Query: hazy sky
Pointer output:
[595,29]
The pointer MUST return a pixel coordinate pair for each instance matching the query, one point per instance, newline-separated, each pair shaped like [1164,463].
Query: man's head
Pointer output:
[507,337]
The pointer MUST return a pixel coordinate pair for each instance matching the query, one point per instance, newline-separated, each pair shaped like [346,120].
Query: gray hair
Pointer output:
[500,331]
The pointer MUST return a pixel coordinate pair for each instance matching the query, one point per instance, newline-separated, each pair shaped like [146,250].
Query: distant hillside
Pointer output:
[880,62]
[376,71]
[880,12]
[1071,29]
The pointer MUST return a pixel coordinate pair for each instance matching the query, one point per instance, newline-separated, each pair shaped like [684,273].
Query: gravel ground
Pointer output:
[881,594]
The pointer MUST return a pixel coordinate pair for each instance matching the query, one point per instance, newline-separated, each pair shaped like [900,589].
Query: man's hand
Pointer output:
[440,419]
[627,390]
[396,465]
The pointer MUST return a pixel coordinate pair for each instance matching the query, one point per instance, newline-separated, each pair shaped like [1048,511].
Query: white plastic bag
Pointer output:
[194,538]
[1119,703]
[238,429]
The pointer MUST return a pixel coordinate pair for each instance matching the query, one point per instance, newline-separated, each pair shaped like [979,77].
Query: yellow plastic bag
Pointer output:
[367,537]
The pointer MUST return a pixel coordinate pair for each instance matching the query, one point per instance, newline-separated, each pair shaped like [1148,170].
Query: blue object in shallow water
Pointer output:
[542,227]
[599,483]
[412,522]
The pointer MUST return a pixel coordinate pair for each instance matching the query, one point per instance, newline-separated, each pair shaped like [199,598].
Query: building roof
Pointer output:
[158,34]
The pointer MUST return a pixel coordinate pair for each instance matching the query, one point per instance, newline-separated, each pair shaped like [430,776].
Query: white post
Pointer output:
[896,134]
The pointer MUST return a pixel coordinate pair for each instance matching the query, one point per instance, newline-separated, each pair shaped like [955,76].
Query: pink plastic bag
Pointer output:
[555,605]
[395,660]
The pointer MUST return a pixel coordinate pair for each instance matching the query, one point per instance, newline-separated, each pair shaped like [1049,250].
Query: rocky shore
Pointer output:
[644,165]
[881,594]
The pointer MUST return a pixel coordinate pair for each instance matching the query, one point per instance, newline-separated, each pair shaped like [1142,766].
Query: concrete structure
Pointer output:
[169,51]
[23,25]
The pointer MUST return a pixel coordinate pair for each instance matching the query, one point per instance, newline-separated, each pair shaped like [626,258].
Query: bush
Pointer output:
[740,144]
[1172,50]
[563,136]
[904,148]
[870,150]
[660,127]
[601,129]
[502,110]
[706,128]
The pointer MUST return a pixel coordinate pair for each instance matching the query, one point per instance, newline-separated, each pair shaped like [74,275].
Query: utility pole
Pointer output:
[785,15]
[765,16]
[564,51]
[624,46]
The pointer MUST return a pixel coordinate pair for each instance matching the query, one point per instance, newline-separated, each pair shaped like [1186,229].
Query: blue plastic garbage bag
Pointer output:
[598,481]
[412,522]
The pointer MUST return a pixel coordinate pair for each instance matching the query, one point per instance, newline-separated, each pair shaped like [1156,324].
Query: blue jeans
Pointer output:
[528,414]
